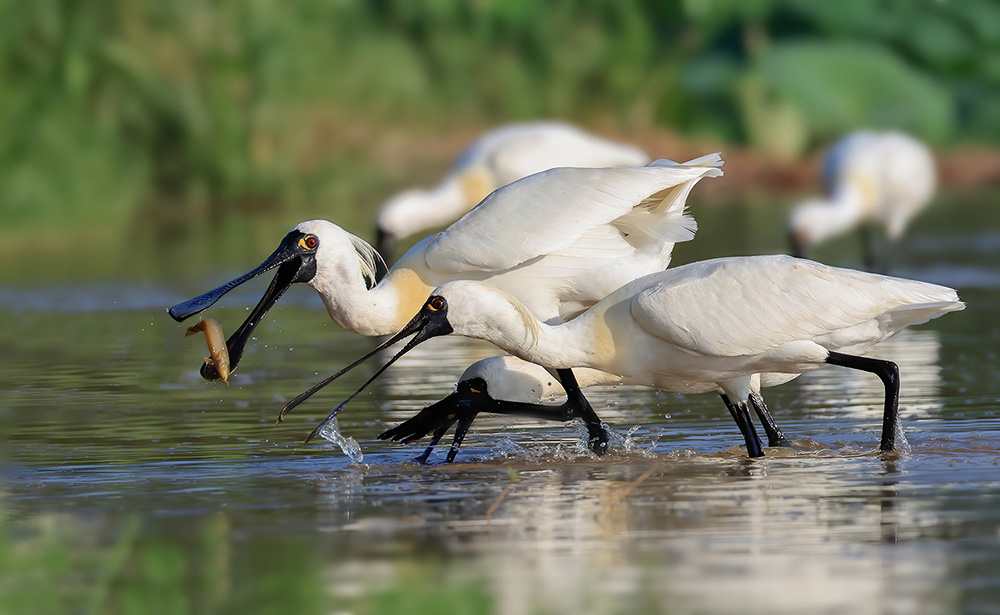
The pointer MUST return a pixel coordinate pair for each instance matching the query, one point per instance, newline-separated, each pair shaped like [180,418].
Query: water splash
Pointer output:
[902,444]
[628,445]
[350,446]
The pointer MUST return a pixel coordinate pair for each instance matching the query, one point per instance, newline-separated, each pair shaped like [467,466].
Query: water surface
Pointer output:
[131,485]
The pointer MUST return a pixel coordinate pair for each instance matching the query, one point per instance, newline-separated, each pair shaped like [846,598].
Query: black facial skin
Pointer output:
[431,321]
[295,259]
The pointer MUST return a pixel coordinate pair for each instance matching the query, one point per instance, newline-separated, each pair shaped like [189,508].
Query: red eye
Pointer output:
[435,304]
[311,242]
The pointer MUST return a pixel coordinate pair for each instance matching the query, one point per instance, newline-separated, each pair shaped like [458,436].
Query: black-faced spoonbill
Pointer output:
[730,325]
[509,385]
[501,385]
[884,178]
[559,240]
[496,159]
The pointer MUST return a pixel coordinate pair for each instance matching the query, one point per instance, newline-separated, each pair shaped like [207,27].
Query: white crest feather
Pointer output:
[368,258]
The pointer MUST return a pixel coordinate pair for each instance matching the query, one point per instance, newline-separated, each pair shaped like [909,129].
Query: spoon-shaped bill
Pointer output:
[295,262]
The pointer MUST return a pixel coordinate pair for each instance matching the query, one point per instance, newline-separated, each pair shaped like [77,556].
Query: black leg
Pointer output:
[888,373]
[872,261]
[774,435]
[597,435]
[741,414]
[796,247]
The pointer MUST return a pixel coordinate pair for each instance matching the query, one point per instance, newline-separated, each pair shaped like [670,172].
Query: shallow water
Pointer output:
[131,485]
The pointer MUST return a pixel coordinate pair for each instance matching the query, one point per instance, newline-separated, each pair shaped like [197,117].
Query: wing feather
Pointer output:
[549,211]
[745,306]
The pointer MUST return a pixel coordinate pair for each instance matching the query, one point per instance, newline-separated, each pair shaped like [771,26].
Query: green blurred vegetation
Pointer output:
[128,114]
[61,564]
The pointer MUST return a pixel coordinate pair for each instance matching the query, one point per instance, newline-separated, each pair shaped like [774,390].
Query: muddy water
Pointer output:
[131,485]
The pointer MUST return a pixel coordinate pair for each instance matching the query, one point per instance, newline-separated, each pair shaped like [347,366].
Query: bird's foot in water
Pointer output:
[598,438]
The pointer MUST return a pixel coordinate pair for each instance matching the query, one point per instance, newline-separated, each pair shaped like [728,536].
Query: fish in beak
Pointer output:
[431,321]
[218,351]
[295,259]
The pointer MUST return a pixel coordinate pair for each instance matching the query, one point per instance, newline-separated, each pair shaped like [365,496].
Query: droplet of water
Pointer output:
[902,444]
[350,446]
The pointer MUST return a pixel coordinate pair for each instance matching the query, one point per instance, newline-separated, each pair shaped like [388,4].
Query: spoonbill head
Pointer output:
[496,159]
[295,260]
[869,178]
[500,385]
[720,325]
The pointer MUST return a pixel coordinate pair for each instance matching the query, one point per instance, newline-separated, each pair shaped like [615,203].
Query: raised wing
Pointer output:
[743,306]
[549,211]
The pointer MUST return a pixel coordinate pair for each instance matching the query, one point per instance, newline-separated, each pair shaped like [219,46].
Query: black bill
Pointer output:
[296,262]
[430,322]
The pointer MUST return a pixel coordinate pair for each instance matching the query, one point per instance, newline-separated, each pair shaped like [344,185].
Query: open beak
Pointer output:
[293,266]
[423,326]
[465,401]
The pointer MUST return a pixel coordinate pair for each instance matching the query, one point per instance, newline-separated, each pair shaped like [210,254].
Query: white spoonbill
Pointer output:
[885,178]
[496,159]
[730,325]
[509,385]
[559,240]
[504,385]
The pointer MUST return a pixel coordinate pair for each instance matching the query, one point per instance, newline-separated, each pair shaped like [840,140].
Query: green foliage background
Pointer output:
[126,112]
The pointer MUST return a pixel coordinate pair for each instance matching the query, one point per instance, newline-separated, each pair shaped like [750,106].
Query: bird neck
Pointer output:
[426,209]
[856,196]
[448,201]
[381,310]
[819,220]
[518,332]
[566,345]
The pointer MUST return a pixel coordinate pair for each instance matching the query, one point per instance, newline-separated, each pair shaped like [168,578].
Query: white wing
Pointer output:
[550,211]
[748,305]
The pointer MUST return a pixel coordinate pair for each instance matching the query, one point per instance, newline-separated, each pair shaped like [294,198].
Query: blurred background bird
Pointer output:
[868,178]
[496,159]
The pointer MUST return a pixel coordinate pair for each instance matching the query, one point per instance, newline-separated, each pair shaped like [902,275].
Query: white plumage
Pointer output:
[513,379]
[559,241]
[496,159]
[885,178]
[731,325]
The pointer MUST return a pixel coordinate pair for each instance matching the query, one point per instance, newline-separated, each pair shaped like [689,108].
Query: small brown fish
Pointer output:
[216,346]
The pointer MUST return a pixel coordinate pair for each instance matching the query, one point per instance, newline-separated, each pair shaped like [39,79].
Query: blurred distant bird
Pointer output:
[884,178]
[729,325]
[559,241]
[496,159]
